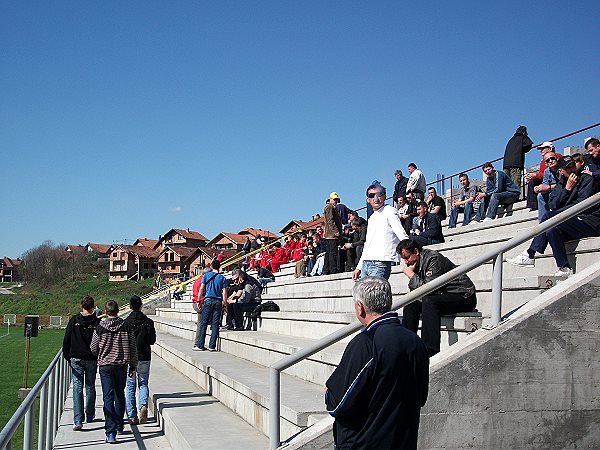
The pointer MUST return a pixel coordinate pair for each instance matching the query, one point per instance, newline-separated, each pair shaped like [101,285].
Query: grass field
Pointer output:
[12,352]
[63,298]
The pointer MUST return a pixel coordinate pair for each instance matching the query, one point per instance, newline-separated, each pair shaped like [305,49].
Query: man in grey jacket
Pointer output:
[422,266]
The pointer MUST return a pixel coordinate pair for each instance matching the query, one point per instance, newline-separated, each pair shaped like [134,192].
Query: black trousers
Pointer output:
[432,307]
[331,262]
[532,203]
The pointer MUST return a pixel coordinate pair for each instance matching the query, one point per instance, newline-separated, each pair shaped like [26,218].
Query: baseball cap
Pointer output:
[564,162]
[334,195]
[546,144]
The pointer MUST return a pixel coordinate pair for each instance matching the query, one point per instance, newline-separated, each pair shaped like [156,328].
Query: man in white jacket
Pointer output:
[384,233]
[416,182]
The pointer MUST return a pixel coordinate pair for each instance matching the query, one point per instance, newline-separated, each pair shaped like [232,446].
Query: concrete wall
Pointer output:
[533,384]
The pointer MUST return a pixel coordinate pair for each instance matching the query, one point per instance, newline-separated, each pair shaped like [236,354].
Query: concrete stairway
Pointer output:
[313,307]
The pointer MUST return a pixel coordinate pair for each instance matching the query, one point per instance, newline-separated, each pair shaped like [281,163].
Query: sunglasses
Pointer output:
[376,194]
[552,158]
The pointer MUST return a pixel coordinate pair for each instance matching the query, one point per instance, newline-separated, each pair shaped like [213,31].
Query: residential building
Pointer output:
[145,242]
[173,261]
[184,238]
[9,269]
[203,256]
[128,262]
[305,226]
[101,250]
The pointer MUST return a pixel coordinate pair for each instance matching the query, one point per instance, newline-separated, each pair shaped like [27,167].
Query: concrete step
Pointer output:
[243,386]
[191,418]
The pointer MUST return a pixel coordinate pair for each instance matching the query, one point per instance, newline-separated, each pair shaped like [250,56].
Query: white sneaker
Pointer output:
[487,219]
[522,259]
[563,272]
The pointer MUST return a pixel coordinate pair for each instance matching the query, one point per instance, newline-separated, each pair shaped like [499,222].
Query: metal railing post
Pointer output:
[28,428]
[274,408]
[497,289]
[56,398]
[42,416]
[50,412]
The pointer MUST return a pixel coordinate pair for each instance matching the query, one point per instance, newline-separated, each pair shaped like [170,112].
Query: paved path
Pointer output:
[142,437]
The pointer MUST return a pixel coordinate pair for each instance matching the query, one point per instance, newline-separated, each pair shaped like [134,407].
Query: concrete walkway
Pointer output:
[142,437]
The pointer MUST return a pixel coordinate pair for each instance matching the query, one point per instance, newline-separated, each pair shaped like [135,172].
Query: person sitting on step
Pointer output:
[499,190]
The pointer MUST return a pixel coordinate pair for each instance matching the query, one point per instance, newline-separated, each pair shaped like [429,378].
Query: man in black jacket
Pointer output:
[377,391]
[576,188]
[145,335]
[245,298]
[514,155]
[427,227]
[422,266]
[76,350]
[400,187]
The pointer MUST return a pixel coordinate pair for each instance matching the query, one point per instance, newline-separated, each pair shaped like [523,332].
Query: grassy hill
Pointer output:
[62,299]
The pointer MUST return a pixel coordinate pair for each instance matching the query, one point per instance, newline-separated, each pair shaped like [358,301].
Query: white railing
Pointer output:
[52,389]
[496,255]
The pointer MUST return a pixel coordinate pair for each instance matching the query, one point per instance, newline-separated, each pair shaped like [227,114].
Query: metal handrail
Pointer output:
[52,388]
[495,255]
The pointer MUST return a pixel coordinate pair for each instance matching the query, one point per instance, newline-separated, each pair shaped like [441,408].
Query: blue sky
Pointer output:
[125,119]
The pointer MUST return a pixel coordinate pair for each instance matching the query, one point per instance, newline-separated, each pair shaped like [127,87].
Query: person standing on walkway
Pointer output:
[384,232]
[214,290]
[115,346]
[145,335]
[377,391]
[76,350]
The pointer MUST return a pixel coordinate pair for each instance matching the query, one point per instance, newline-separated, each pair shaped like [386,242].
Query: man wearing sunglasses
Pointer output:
[550,181]
[384,233]
[535,178]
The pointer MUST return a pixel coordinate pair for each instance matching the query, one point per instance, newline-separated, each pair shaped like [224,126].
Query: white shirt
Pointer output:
[384,233]
[416,180]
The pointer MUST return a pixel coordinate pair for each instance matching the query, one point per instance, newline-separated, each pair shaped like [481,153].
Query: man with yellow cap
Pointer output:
[331,235]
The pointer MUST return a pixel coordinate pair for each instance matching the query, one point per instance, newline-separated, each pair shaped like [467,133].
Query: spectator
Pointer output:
[592,158]
[221,256]
[400,187]
[408,212]
[198,301]
[114,345]
[76,350]
[331,236]
[436,204]
[514,155]
[376,392]
[421,266]
[319,256]
[500,190]
[264,276]
[427,227]
[359,237]
[279,257]
[369,207]
[343,253]
[576,189]
[214,291]
[342,209]
[244,299]
[384,231]
[352,215]
[551,178]
[535,178]
[145,336]
[464,203]
[257,243]
[416,182]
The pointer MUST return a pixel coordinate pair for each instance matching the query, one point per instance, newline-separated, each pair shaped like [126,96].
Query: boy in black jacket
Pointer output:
[76,350]
[145,335]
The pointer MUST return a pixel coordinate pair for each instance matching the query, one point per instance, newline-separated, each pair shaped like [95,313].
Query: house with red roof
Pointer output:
[145,242]
[131,262]
[101,250]
[184,238]
[9,269]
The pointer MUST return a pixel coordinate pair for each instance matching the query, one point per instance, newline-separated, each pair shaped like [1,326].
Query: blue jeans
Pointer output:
[542,201]
[211,312]
[489,205]
[113,379]
[376,269]
[468,212]
[84,372]
[141,376]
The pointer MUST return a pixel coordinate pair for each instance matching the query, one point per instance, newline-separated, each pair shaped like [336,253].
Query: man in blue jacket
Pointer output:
[377,391]
[427,227]
[500,190]
[574,189]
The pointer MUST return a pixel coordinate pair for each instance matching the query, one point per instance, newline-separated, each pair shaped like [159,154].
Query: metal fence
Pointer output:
[495,255]
[52,390]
